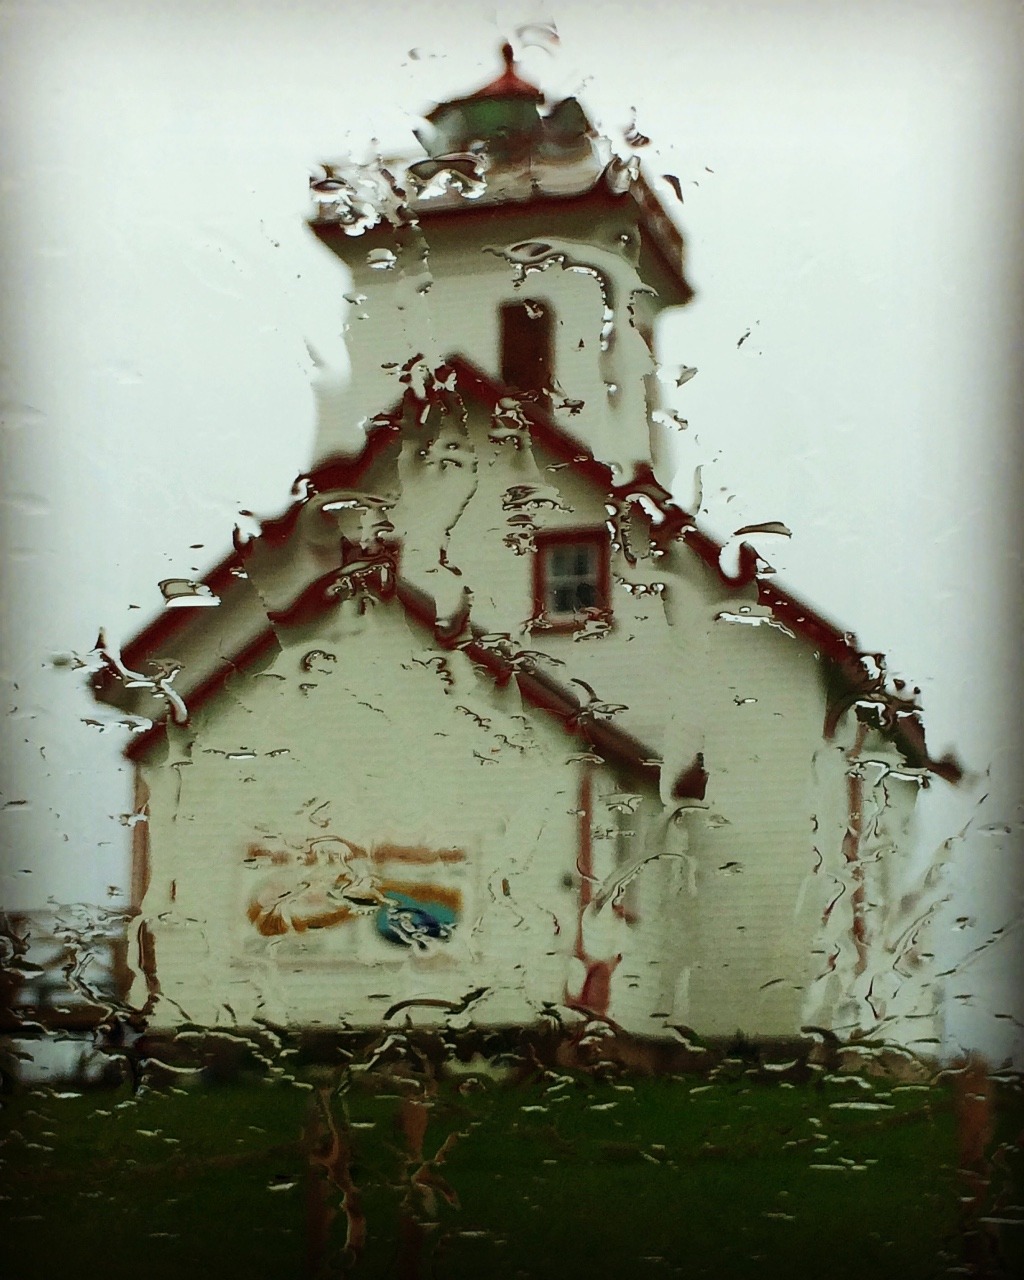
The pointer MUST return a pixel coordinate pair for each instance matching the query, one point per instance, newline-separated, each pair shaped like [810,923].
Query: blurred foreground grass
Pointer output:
[562,1175]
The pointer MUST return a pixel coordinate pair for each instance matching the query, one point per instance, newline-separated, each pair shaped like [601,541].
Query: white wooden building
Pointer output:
[485,722]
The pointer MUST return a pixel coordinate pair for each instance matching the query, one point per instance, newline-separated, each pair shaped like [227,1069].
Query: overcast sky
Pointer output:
[851,177]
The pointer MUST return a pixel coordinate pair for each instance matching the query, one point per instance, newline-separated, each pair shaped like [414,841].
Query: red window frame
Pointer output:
[544,543]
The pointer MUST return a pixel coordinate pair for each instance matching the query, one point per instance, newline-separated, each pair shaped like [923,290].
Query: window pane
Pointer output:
[586,595]
[561,561]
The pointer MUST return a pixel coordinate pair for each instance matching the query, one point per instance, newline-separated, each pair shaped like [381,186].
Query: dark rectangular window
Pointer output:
[526,348]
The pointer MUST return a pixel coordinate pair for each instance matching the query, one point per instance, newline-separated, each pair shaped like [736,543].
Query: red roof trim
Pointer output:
[655,220]
[220,580]
[345,471]
[246,657]
[537,688]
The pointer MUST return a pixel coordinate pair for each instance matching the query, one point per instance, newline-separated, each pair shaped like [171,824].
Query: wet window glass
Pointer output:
[510,763]
[571,572]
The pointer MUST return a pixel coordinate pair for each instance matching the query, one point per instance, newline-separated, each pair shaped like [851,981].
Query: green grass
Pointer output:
[562,1177]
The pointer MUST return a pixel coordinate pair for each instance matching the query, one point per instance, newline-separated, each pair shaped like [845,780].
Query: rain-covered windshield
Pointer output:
[511,759]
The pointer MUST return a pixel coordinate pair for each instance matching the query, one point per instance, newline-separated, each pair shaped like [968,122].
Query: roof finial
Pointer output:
[509,56]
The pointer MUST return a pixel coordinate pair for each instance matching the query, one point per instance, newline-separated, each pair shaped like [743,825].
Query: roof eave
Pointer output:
[345,471]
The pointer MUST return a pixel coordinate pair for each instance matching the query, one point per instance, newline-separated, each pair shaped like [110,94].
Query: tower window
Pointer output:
[526,348]
[571,577]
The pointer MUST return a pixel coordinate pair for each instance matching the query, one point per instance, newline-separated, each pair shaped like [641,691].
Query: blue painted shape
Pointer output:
[408,922]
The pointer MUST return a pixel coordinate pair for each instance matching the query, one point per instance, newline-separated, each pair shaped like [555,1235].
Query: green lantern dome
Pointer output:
[504,121]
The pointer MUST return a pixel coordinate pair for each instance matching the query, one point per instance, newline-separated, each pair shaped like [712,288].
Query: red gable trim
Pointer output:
[346,472]
[662,236]
[249,656]
[537,688]
[153,637]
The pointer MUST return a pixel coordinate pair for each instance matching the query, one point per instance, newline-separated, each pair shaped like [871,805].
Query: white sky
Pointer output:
[861,218]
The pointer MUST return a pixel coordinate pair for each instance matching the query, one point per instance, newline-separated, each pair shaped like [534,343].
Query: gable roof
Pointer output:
[379,579]
[856,680]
